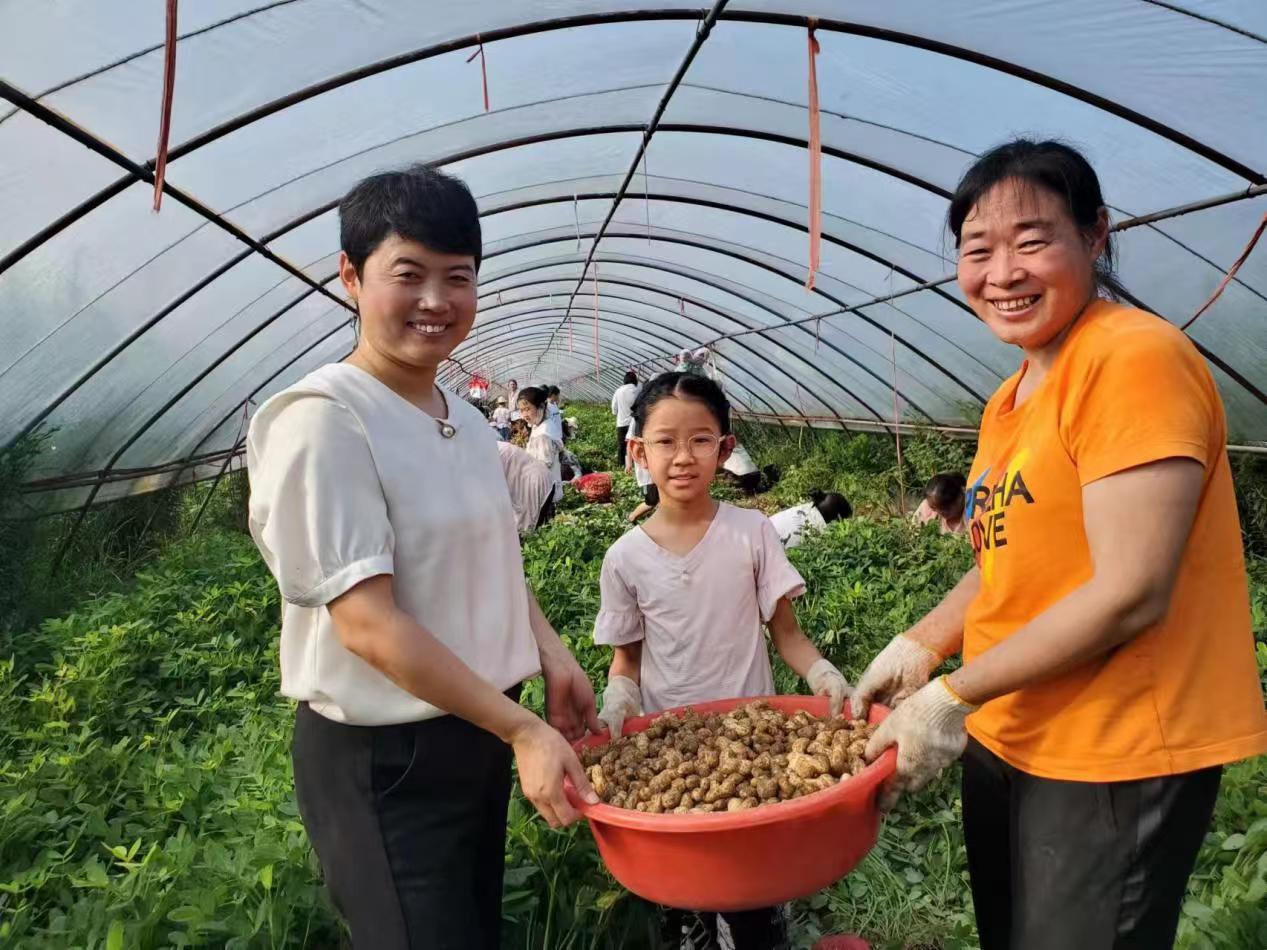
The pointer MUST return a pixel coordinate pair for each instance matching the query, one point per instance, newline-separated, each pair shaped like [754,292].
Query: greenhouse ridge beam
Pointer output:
[695,302]
[817,341]
[729,252]
[507,326]
[537,329]
[701,35]
[1253,191]
[145,174]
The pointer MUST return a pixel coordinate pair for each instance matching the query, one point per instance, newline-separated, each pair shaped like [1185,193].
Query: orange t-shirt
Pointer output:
[1127,388]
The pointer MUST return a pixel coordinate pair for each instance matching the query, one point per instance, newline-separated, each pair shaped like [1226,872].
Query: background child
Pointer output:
[821,509]
[944,501]
[684,596]
[500,418]
[650,494]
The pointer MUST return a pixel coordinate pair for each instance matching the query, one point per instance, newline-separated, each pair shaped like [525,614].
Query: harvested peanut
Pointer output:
[751,756]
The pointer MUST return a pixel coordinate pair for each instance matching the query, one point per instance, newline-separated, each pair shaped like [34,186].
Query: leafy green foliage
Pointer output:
[145,784]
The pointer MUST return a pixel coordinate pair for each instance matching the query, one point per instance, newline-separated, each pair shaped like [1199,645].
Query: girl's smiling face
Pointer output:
[681,447]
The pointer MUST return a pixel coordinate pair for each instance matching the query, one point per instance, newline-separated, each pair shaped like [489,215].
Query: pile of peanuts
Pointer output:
[751,756]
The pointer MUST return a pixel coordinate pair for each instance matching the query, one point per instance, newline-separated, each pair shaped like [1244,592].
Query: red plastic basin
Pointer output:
[746,859]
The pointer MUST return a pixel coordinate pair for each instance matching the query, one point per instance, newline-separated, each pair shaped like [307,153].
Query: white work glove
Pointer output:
[897,671]
[929,733]
[621,699]
[825,680]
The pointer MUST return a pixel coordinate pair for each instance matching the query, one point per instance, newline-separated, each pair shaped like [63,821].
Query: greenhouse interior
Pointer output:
[775,198]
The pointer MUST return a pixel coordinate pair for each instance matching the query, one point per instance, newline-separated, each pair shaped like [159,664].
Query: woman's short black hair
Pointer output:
[419,203]
[832,506]
[1053,166]
[945,492]
[552,390]
[682,386]
[631,377]
[534,395]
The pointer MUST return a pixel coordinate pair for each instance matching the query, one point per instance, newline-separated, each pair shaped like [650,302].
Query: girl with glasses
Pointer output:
[686,594]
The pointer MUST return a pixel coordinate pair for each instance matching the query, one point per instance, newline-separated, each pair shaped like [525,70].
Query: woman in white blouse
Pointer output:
[379,504]
[542,443]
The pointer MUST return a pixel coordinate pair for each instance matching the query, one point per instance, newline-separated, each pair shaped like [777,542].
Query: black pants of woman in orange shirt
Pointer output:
[1059,865]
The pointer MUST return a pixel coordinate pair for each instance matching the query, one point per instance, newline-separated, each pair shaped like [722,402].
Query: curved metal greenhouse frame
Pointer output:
[644,186]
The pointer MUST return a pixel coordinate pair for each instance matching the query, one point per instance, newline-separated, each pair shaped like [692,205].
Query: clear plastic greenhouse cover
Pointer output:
[656,155]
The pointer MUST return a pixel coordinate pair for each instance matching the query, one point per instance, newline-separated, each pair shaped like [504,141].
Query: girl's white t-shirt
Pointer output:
[699,617]
[792,523]
[350,480]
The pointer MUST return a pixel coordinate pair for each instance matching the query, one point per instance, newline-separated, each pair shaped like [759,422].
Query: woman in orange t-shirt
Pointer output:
[1108,658]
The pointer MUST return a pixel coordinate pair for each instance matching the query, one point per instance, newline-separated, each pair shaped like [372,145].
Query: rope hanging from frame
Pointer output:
[165,115]
[815,161]
[483,67]
[596,351]
[1231,272]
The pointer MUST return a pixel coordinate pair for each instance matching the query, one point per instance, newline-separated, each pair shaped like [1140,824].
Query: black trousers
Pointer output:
[1085,865]
[622,436]
[409,824]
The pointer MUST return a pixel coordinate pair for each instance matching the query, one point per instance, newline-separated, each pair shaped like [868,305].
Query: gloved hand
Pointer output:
[897,671]
[928,730]
[621,699]
[825,680]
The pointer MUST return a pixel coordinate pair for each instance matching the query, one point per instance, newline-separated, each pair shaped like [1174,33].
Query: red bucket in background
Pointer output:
[596,487]
[742,860]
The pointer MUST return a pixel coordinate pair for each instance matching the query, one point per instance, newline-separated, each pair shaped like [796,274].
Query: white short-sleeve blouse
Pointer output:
[350,480]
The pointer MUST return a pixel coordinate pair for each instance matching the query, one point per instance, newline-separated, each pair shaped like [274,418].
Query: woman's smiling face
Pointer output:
[416,304]
[1025,267]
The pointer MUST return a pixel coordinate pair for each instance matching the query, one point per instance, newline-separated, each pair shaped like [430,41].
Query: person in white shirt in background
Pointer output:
[542,444]
[380,507]
[500,419]
[512,399]
[622,408]
[554,414]
[944,500]
[791,524]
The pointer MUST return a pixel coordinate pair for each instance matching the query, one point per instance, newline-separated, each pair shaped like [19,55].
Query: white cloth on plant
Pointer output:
[740,462]
[792,523]
[348,481]
[699,616]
